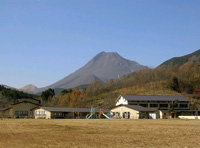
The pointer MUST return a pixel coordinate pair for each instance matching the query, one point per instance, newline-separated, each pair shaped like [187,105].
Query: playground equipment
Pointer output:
[93,114]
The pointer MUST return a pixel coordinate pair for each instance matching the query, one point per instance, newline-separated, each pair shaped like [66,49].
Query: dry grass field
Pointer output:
[99,133]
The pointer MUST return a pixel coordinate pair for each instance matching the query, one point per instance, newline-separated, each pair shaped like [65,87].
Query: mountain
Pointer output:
[178,61]
[29,88]
[6,86]
[104,66]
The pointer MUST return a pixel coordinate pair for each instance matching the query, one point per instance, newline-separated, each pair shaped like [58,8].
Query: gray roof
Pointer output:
[3,109]
[187,110]
[153,98]
[71,109]
[138,108]
[26,102]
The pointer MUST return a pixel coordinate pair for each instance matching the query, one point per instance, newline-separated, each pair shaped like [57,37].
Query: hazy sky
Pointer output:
[42,41]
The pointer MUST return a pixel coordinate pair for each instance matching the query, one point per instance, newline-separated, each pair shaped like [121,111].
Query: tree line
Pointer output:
[9,96]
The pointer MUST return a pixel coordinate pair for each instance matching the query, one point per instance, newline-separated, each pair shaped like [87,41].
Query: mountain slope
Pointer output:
[178,61]
[104,66]
[29,88]
[6,86]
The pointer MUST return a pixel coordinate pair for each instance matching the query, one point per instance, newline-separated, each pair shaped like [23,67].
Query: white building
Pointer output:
[154,107]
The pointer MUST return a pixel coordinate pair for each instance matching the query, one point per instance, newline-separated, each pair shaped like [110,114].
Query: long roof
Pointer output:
[138,108]
[153,98]
[30,99]
[3,109]
[70,109]
[25,102]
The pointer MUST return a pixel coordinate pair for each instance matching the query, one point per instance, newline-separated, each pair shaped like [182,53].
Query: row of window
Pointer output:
[165,105]
[116,114]
[21,113]
[40,113]
[58,114]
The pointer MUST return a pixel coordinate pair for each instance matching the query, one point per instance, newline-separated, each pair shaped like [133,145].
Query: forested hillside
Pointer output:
[9,96]
[163,80]
[178,61]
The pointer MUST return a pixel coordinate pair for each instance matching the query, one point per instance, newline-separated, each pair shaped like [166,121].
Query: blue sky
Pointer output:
[42,41]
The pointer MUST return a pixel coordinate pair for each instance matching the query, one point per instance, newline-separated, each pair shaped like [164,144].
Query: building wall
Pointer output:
[189,117]
[24,107]
[121,109]
[122,101]
[47,114]
[7,113]
[165,114]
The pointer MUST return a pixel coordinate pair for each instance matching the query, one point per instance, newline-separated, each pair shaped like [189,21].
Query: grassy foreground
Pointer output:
[99,133]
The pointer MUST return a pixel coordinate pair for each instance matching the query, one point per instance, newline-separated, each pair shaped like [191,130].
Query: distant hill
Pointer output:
[6,86]
[104,66]
[29,88]
[84,86]
[9,96]
[178,61]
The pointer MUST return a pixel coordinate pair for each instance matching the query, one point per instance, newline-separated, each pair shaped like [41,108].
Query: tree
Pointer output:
[66,91]
[175,84]
[46,95]
[172,105]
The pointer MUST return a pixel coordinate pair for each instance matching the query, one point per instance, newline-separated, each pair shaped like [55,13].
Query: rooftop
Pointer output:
[3,109]
[71,109]
[139,108]
[153,98]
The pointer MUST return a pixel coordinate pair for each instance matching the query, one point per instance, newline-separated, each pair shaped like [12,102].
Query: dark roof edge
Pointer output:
[25,102]
[154,96]
[45,108]
[118,98]
[129,106]
[30,98]
[6,108]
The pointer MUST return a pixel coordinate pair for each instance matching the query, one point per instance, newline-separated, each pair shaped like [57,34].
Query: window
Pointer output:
[117,114]
[144,105]
[153,105]
[132,103]
[40,113]
[126,115]
[37,112]
[176,106]
[163,105]
[21,113]
[183,105]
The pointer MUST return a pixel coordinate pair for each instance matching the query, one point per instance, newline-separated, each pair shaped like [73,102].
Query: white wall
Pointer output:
[48,114]
[121,101]
[189,117]
[121,109]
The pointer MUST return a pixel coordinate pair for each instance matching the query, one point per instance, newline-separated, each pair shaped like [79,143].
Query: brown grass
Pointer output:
[100,133]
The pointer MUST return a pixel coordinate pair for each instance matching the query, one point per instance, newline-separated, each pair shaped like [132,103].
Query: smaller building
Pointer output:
[6,112]
[42,112]
[21,109]
[134,112]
